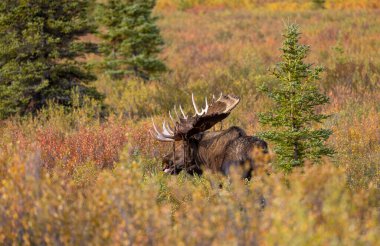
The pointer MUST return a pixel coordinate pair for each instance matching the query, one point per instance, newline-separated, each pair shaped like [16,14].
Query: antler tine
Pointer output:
[160,138]
[163,134]
[183,114]
[203,111]
[176,113]
[171,117]
[220,97]
[166,131]
[206,108]
[195,105]
[170,129]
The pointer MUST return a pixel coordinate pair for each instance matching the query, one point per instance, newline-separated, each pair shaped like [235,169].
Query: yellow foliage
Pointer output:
[289,6]
[130,97]
[352,4]
[125,206]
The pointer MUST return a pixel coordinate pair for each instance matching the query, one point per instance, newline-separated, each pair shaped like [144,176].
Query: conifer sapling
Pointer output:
[296,97]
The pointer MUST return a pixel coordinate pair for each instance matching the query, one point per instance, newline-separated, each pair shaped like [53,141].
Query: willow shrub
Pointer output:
[128,205]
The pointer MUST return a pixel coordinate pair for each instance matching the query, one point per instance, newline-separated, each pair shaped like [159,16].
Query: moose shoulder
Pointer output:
[214,150]
[217,151]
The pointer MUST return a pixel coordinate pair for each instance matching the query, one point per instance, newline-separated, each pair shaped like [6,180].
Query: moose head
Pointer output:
[215,150]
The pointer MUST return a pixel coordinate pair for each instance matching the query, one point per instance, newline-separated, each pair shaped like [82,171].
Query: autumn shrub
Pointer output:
[356,137]
[67,139]
[129,206]
[98,144]
[131,98]
[352,4]
[135,203]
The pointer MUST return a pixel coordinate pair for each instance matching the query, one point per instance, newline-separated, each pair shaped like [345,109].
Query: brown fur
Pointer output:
[217,151]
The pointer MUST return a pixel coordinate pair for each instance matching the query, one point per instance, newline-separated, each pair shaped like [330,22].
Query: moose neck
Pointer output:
[187,154]
[208,148]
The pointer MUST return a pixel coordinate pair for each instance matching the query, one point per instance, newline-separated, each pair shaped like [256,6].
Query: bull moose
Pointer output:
[215,150]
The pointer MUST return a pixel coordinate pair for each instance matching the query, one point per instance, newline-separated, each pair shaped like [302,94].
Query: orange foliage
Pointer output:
[100,145]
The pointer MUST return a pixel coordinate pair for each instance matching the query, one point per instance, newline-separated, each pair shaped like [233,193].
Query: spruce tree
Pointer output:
[39,51]
[295,98]
[132,39]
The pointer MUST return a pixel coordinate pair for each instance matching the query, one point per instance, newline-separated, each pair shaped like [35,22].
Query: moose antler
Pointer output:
[186,126]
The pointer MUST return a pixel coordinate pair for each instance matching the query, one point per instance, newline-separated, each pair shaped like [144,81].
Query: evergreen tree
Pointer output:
[296,97]
[38,52]
[132,39]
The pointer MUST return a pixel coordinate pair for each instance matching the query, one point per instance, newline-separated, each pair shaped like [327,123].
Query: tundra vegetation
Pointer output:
[81,177]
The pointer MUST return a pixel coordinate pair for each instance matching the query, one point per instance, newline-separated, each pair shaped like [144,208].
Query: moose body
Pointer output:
[215,150]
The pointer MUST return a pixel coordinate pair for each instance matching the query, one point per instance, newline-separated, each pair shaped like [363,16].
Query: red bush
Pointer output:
[100,144]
